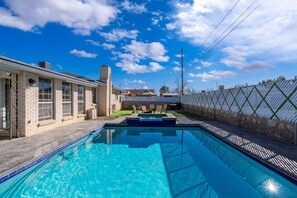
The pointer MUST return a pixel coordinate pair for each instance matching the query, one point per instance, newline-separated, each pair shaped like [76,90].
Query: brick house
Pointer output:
[34,98]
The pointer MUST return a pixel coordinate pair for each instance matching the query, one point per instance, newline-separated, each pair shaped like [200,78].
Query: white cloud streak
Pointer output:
[108,46]
[133,7]
[213,75]
[119,34]
[140,82]
[95,43]
[82,53]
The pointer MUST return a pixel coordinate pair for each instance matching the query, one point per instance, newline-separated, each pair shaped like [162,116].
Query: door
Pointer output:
[3,104]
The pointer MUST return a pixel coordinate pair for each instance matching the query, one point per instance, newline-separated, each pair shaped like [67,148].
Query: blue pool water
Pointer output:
[148,162]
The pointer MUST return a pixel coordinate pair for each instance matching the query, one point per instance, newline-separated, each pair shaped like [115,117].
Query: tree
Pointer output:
[187,89]
[164,89]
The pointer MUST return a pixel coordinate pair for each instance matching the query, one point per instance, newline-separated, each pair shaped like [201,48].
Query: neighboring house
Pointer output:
[139,92]
[169,94]
[34,99]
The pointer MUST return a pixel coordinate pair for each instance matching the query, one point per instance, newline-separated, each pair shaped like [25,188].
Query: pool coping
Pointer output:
[22,167]
[282,172]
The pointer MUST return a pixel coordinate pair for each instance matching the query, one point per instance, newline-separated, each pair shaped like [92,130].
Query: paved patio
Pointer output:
[20,151]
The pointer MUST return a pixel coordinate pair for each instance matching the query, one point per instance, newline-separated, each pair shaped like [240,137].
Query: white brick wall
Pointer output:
[29,123]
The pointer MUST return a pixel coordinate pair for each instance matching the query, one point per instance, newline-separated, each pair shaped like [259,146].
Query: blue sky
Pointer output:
[141,40]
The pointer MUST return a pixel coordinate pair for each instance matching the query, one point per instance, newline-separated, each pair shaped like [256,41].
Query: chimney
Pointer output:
[45,65]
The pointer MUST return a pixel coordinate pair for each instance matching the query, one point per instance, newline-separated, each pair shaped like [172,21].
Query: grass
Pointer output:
[183,114]
[122,113]
[175,113]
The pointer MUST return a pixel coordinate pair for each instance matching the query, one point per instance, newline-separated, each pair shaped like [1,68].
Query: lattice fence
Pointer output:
[275,100]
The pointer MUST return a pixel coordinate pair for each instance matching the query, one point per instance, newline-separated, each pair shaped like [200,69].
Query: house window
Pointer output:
[81,99]
[45,102]
[94,95]
[67,99]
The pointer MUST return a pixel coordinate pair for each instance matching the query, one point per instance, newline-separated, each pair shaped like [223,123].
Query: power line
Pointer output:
[230,31]
[220,22]
[215,43]
[233,22]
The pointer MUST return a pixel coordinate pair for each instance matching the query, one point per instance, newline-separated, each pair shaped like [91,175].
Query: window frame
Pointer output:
[81,99]
[67,99]
[45,99]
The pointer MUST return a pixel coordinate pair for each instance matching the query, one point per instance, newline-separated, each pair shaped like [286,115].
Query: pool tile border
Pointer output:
[44,157]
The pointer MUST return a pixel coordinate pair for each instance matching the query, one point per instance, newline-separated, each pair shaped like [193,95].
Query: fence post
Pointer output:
[295,133]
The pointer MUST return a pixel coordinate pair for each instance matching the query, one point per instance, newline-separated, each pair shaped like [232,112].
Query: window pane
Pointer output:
[81,98]
[67,99]
[45,99]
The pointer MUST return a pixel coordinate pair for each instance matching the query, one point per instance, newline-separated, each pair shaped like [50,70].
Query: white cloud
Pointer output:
[156,19]
[81,16]
[198,68]
[213,75]
[95,43]
[190,81]
[236,57]
[133,7]
[156,13]
[176,69]
[82,53]
[127,82]
[145,87]
[155,67]
[206,64]
[139,50]
[170,26]
[176,62]
[134,68]
[269,33]
[119,34]
[108,46]
[203,63]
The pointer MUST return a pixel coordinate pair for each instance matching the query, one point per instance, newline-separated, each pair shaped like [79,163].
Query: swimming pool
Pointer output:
[148,162]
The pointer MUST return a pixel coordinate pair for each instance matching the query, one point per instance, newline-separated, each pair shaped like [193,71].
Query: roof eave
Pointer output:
[15,66]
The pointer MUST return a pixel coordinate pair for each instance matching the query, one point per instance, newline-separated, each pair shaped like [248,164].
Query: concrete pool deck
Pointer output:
[20,151]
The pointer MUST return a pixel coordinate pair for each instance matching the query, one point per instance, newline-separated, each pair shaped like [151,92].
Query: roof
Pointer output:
[138,89]
[148,93]
[170,94]
[14,66]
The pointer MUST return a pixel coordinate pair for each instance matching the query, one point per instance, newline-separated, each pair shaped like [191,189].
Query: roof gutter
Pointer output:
[14,66]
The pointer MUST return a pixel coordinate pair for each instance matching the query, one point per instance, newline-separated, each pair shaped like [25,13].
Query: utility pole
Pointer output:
[182,71]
